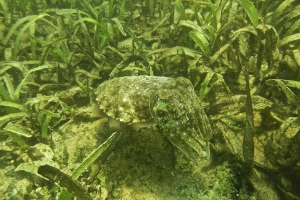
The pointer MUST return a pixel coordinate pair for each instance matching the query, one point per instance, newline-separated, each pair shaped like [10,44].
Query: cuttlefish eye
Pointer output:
[162,105]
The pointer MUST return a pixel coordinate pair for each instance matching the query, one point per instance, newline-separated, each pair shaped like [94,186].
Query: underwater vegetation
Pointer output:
[241,59]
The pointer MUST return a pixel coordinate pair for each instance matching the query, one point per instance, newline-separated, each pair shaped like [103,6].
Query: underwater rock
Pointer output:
[171,104]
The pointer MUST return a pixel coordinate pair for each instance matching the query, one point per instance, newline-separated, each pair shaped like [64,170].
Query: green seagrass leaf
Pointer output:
[201,41]
[92,157]
[250,10]
[290,38]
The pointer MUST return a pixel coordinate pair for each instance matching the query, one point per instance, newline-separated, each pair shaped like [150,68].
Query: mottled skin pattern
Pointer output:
[169,103]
